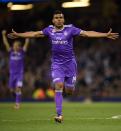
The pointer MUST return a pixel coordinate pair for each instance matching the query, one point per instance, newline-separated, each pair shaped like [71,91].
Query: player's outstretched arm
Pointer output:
[26,44]
[31,34]
[5,41]
[109,34]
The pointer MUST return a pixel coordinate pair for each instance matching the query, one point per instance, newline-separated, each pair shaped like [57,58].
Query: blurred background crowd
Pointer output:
[99,60]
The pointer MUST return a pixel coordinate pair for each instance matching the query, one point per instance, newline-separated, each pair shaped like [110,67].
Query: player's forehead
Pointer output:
[58,16]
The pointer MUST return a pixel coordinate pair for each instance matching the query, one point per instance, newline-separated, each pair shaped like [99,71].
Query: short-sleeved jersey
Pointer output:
[16,61]
[62,42]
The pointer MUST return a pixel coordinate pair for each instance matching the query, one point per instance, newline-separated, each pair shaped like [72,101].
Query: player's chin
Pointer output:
[59,25]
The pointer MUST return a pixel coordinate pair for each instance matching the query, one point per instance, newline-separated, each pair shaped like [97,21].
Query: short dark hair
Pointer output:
[57,12]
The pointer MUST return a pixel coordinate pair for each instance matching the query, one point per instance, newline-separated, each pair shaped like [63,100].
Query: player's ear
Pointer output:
[64,20]
[53,21]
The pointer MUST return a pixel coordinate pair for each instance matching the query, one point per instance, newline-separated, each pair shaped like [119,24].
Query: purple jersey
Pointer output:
[62,42]
[16,61]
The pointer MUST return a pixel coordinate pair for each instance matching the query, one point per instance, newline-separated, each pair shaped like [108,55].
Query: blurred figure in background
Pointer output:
[16,66]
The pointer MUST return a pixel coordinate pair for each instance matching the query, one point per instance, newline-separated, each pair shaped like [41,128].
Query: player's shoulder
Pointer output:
[50,26]
[68,26]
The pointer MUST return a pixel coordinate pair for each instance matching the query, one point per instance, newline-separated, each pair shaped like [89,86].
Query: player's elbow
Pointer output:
[88,33]
[35,35]
[38,35]
[32,35]
[29,34]
[85,34]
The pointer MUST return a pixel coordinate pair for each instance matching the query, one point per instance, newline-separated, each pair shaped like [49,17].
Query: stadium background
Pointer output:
[99,60]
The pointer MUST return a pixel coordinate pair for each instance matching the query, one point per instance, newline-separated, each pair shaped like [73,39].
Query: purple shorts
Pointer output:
[15,80]
[65,73]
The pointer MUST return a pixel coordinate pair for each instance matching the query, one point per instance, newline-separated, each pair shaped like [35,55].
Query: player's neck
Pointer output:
[16,51]
[59,28]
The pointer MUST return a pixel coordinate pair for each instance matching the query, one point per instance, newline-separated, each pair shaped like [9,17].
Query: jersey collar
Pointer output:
[57,30]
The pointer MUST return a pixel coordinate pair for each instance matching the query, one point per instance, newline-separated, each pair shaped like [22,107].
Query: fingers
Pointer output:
[11,36]
[4,32]
[13,31]
[110,31]
[113,37]
[114,34]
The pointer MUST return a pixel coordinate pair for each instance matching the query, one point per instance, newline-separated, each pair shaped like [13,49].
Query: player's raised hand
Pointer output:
[27,40]
[4,32]
[5,41]
[13,35]
[111,35]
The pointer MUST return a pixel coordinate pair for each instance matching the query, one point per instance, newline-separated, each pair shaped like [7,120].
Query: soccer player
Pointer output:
[16,66]
[63,60]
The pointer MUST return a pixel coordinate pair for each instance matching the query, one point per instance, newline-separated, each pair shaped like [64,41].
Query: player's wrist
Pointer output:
[106,35]
[17,34]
